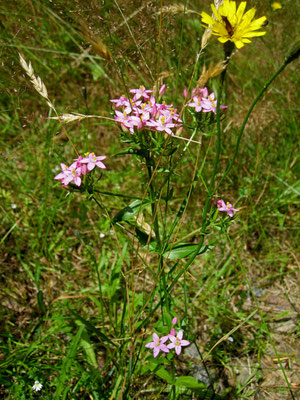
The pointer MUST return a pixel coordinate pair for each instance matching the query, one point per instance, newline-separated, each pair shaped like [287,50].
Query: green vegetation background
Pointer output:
[51,243]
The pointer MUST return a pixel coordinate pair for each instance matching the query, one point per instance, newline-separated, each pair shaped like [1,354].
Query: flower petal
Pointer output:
[180,335]
[150,345]
[156,351]
[185,343]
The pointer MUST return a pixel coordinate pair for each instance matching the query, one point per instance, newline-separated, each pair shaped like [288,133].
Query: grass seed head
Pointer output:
[176,9]
[211,72]
[67,118]
[36,81]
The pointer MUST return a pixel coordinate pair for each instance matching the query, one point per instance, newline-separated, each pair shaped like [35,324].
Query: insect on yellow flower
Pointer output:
[230,23]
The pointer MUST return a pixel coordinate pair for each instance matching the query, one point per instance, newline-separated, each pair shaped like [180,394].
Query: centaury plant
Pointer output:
[151,332]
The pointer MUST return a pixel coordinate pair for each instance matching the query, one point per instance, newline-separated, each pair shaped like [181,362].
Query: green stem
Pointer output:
[153,203]
[119,195]
[258,97]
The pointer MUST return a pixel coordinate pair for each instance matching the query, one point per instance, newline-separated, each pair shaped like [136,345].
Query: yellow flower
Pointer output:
[276,6]
[232,24]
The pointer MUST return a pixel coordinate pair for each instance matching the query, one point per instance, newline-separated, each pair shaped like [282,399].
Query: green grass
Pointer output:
[69,296]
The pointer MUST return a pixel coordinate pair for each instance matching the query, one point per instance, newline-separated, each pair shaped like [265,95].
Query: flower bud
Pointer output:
[173,332]
[162,90]
[174,321]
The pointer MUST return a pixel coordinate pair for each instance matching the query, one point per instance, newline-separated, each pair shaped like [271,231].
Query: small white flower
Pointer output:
[37,386]
[102,235]
[13,206]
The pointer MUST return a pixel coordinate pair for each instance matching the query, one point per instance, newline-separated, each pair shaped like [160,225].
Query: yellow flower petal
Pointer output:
[240,11]
[276,6]
[223,39]
[257,23]
[249,15]
[252,34]
[216,13]
[207,19]
[239,44]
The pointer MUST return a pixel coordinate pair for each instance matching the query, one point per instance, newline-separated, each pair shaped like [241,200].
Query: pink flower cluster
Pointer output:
[202,101]
[80,166]
[228,208]
[176,340]
[144,112]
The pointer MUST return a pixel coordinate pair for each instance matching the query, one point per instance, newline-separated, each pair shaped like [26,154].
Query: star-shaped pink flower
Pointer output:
[140,92]
[93,161]
[177,342]
[228,208]
[158,344]
[69,174]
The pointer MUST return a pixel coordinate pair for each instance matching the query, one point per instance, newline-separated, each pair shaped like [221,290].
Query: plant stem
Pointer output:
[258,97]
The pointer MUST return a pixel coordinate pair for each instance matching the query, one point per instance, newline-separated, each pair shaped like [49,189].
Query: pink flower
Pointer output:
[121,101]
[78,164]
[162,125]
[228,208]
[174,321]
[140,92]
[69,174]
[158,344]
[185,93]
[177,342]
[93,161]
[210,104]
[203,92]
[128,121]
[197,104]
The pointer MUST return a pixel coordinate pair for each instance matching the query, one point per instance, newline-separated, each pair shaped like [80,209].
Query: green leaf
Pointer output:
[85,342]
[182,250]
[97,71]
[131,210]
[164,374]
[190,382]
[41,302]
[143,239]
[67,364]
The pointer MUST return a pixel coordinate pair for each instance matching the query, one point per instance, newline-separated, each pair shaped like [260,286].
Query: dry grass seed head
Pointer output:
[211,72]
[98,46]
[177,8]
[36,81]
